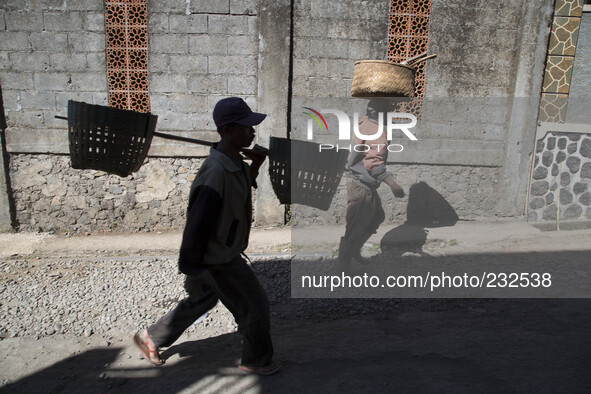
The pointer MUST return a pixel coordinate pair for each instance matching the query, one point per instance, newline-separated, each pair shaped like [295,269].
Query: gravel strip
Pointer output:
[94,297]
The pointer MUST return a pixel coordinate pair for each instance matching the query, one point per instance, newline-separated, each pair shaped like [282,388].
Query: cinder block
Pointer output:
[325,87]
[158,63]
[86,42]
[64,21]
[170,43]
[17,80]
[67,62]
[243,45]
[62,99]
[33,119]
[188,64]
[94,21]
[340,68]
[4,61]
[96,61]
[353,10]
[68,5]
[208,84]
[24,21]
[168,83]
[49,42]
[27,61]
[301,48]
[240,65]
[50,122]
[168,6]
[244,7]
[100,98]
[14,41]
[233,25]
[89,82]
[174,121]
[161,102]
[309,27]
[210,6]
[188,103]
[253,26]
[158,23]
[359,50]
[11,98]
[242,84]
[208,45]
[188,24]
[51,81]
[329,49]
[204,122]
[310,67]
[2,21]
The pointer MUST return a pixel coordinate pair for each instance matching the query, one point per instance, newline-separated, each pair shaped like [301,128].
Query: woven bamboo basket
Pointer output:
[380,78]
[301,174]
[108,139]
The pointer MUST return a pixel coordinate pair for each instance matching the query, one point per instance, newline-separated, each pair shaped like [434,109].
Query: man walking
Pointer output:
[219,217]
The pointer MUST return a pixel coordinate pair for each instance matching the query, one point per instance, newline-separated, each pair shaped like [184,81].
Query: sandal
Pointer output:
[152,356]
[270,369]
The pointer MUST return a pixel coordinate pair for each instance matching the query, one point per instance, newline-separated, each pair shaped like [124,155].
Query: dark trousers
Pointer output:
[237,287]
[364,214]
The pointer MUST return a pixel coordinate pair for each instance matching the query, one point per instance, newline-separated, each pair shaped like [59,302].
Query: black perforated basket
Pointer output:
[301,174]
[108,139]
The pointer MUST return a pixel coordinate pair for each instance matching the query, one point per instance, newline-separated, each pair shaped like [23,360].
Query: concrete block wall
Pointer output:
[329,36]
[52,51]
[199,52]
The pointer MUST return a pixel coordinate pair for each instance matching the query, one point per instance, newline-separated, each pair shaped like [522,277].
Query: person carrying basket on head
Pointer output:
[366,170]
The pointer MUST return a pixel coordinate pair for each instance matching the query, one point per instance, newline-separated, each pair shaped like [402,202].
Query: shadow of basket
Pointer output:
[302,174]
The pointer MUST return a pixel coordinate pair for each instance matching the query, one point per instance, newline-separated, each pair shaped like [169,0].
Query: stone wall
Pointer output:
[51,196]
[561,179]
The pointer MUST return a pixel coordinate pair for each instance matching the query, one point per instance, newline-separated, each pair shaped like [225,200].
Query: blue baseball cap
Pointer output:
[235,110]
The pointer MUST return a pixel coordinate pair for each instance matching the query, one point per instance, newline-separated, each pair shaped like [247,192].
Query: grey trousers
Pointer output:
[364,214]
[237,287]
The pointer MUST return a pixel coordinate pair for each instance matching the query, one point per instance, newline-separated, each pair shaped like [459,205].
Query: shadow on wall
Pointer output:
[426,209]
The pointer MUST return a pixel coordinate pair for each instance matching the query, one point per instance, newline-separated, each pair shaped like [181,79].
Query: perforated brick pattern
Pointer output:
[408,36]
[126,27]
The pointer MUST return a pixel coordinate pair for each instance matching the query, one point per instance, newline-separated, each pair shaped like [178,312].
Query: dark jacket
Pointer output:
[219,214]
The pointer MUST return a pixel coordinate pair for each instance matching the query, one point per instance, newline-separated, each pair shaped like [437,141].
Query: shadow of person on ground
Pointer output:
[426,208]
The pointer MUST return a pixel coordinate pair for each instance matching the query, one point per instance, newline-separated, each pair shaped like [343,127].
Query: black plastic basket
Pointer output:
[108,139]
[301,174]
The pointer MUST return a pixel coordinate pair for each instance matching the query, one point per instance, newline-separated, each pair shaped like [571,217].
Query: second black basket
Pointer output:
[302,174]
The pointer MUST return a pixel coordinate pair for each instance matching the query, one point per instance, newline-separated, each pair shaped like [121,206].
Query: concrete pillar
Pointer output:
[273,96]
[529,72]
[5,217]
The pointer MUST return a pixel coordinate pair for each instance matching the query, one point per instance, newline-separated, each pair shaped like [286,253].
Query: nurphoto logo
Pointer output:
[392,124]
